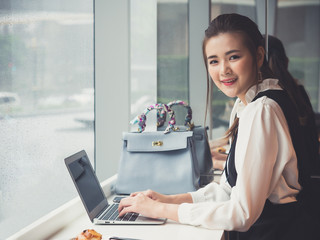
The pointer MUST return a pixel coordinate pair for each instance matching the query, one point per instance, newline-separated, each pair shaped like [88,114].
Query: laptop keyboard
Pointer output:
[113,214]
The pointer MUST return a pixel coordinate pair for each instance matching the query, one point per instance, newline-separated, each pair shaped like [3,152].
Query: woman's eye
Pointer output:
[213,61]
[233,57]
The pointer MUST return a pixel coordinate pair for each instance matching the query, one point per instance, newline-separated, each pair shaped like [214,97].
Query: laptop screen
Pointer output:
[86,181]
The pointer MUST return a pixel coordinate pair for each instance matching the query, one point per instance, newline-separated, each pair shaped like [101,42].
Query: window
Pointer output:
[159,54]
[143,51]
[301,39]
[46,104]
[172,54]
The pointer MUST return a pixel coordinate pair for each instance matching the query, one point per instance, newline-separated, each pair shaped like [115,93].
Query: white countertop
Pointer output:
[169,230]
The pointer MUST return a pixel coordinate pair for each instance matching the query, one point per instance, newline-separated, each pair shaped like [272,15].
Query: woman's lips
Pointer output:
[229,81]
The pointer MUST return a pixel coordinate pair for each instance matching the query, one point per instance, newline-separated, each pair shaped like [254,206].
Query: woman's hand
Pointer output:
[218,159]
[140,203]
[218,153]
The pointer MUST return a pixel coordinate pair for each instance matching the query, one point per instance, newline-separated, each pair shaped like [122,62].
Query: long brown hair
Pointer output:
[236,23]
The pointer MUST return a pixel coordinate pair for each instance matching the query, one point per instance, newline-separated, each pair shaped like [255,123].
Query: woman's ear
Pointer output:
[260,56]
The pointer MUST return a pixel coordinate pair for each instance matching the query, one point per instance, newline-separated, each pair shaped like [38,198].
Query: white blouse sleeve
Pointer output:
[262,152]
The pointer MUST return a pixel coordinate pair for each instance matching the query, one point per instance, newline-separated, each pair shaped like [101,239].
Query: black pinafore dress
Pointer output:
[280,221]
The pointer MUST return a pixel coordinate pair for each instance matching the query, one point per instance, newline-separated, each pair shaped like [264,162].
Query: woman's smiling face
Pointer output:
[230,64]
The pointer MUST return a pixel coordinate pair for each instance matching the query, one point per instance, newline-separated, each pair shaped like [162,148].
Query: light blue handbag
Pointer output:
[164,161]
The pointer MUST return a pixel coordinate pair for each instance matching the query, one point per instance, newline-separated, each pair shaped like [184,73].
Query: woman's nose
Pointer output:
[225,69]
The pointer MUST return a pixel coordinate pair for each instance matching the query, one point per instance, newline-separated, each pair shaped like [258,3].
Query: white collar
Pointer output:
[266,84]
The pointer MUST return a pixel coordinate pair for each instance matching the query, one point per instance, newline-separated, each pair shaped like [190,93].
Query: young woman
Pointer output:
[257,194]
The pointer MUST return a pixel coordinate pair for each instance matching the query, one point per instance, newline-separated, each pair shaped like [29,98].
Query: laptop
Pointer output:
[93,197]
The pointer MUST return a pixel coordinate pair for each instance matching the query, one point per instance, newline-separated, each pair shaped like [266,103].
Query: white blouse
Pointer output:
[265,162]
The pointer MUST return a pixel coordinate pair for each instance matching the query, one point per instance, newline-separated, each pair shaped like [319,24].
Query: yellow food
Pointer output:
[88,234]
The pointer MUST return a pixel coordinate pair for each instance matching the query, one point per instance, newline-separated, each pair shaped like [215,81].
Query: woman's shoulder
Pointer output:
[273,97]
[264,102]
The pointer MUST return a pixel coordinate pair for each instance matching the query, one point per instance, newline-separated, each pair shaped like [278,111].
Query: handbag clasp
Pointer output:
[157,143]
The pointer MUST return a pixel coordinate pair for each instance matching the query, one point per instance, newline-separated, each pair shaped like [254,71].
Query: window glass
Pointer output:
[172,53]
[159,55]
[46,104]
[221,104]
[143,56]
[301,39]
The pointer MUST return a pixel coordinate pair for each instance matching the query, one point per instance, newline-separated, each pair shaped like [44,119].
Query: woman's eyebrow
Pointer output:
[226,54]
[232,51]
[212,56]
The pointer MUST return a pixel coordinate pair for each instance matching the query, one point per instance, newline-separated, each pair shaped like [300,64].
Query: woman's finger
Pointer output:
[125,202]
[134,194]
[126,210]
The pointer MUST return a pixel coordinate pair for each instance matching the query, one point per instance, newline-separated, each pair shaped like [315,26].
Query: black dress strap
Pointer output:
[230,168]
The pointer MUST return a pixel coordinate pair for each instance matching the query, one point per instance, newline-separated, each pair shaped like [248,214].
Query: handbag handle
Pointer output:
[162,110]
[188,117]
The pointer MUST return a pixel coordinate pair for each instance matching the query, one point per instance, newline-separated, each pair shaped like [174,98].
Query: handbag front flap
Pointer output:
[156,141]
